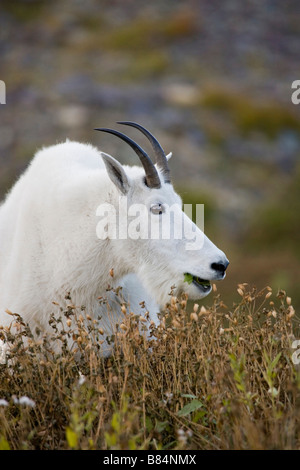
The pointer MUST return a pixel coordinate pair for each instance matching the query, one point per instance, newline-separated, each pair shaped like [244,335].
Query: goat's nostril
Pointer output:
[220,267]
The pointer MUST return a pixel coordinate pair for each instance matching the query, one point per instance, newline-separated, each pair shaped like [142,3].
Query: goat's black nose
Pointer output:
[220,267]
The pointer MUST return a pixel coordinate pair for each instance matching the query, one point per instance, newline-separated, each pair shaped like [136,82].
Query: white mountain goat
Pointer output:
[54,238]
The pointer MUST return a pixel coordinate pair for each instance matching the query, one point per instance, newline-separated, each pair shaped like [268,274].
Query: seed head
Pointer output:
[123,309]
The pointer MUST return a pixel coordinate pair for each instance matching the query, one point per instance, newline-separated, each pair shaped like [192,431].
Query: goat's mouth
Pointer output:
[202,284]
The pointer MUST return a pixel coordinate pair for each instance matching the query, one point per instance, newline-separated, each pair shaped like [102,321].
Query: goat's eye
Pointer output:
[157,209]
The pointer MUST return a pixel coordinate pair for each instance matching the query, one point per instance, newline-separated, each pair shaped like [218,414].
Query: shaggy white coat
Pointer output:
[49,246]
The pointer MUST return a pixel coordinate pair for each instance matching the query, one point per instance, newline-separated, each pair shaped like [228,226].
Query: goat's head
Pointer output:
[157,244]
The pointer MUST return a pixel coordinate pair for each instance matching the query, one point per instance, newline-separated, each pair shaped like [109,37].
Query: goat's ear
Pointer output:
[116,173]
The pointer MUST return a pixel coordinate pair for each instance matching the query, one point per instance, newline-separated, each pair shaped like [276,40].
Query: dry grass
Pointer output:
[209,378]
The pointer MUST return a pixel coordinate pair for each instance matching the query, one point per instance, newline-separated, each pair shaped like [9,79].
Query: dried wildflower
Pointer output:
[273,391]
[281,294]
[3,402]
[176,323]
[9,312]
[291,311]
[24,401]
[81,380]
[17,326]
[240,292]
[169,397]
[123,309]
[183,435]
[194,316]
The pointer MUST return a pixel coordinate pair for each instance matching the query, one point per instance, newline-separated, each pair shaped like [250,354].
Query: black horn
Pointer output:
[160,156]
[152,178]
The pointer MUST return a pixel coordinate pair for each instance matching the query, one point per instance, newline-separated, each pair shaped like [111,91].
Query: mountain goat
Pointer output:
[54,236]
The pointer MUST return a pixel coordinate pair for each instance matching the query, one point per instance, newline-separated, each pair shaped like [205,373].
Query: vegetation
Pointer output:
[250,116]
[209,378]
[148,33]
[277,221]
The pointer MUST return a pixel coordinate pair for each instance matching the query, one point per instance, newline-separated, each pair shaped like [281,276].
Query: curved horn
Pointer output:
[160,155]
[152,178]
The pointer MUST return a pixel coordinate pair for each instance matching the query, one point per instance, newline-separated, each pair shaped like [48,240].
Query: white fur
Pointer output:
[49,247]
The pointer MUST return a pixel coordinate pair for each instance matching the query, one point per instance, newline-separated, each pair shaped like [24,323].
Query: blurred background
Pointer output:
[212,80]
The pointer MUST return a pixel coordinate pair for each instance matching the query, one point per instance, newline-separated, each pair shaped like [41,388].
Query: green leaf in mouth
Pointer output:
[188,278]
